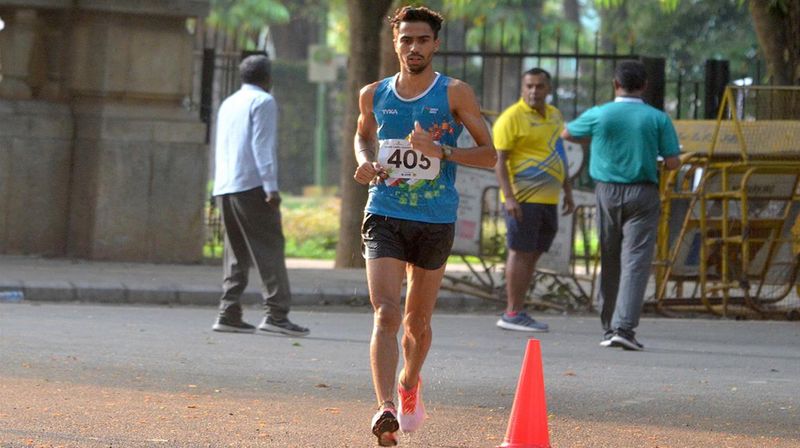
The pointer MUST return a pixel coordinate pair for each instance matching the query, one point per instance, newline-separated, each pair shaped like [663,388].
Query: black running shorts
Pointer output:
[422,244]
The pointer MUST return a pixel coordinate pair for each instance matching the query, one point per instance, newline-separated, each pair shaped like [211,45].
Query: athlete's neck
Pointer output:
[622,93]
[410,85]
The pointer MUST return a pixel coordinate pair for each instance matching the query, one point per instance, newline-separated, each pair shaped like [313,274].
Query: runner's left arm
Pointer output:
[466,110]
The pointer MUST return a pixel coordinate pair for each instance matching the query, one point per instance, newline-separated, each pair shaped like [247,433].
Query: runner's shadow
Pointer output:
[314,338]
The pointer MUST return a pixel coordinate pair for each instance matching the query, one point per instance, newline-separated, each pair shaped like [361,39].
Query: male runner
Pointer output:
[406,129]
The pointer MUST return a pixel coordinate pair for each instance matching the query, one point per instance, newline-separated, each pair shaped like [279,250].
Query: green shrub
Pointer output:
[311,226]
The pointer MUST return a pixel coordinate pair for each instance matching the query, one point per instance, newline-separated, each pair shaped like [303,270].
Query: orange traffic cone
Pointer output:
[527,426]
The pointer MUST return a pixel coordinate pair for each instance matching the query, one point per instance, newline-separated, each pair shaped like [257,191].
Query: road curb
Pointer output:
[120,293]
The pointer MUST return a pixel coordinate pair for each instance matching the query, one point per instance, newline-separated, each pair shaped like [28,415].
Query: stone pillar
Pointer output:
[139,184]
[54,49]
[16,49]
[35,143]
[105,141]
[35,157]
[140,157]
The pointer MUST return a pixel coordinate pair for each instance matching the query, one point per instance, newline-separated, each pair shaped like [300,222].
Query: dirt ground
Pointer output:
[49,414]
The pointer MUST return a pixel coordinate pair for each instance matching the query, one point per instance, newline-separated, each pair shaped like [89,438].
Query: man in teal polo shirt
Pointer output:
[627,137]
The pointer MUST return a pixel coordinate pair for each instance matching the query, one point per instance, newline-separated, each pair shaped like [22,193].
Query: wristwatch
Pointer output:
[447,152]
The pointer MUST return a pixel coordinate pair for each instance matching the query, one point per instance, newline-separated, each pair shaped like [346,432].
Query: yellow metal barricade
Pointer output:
[729,237]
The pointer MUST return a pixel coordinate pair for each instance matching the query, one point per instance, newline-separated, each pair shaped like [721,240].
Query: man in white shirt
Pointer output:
[246,188]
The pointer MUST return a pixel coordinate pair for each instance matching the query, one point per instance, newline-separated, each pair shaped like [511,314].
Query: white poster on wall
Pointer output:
[557,259]
[472,184]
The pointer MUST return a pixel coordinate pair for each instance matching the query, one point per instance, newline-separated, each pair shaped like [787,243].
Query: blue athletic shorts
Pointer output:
[422,244]
[537,230]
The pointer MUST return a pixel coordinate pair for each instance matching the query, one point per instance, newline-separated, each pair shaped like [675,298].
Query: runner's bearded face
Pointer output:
[415,46]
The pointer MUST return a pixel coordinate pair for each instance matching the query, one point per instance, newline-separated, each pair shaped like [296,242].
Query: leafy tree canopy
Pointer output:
[688,33]
[512,24]
[247,15]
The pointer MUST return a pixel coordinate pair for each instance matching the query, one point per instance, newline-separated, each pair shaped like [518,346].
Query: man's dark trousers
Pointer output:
[253,233]
[628,220]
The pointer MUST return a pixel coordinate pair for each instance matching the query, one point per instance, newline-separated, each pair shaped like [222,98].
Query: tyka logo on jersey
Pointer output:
[389,111]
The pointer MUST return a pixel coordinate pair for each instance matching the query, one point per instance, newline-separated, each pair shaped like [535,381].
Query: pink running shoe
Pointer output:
[412,411]
[385,426]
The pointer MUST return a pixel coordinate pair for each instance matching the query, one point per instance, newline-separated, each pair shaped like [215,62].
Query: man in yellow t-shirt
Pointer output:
[531,170]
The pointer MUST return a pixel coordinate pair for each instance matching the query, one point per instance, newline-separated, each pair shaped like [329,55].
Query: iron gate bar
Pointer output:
[207,89]
[483,47]
[558,65]
[539,47]
[577,75]
[502,60]
[679,94]
[594,71]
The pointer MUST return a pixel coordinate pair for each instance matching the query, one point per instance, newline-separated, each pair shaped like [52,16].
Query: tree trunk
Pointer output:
[779,37]
[613,27]
[572,12]
[365,49]
[292,39]
[389,63]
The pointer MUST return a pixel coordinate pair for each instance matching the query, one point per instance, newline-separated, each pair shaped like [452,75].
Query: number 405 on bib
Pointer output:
[403,162]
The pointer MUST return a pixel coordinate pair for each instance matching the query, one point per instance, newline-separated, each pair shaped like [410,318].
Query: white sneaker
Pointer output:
[385,426]
[411,413]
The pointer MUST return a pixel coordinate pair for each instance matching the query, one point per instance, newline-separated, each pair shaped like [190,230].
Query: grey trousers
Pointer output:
[253,233]
[628,222]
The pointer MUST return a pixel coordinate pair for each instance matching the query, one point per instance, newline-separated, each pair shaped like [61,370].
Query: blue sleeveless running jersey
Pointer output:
[432,201]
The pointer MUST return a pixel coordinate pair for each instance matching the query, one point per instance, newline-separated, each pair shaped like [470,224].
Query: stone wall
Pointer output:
[35,156]
[98,157]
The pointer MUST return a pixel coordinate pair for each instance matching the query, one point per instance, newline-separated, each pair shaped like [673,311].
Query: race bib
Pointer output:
[401,161]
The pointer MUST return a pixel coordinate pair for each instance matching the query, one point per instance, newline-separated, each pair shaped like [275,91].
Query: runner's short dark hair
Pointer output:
[631,75]
[255,69]
[538,71]
[417,14]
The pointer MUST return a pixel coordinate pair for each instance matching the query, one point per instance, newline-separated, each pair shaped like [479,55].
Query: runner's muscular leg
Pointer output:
[423,289]
[385,279]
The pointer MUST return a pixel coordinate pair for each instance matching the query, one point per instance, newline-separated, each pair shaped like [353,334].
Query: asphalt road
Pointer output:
[75,375]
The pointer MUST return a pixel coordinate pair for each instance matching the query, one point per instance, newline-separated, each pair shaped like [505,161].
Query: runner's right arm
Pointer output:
[366,139]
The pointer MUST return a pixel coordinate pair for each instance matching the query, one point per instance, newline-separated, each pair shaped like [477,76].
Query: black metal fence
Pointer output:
[581,75]
[581,69]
